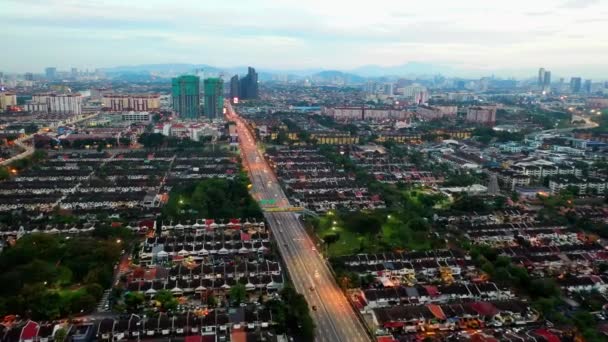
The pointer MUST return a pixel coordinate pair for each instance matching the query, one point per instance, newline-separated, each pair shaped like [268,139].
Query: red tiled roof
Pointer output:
[385,339]
[484,309]
[436,311]
[29,331]
[549,336]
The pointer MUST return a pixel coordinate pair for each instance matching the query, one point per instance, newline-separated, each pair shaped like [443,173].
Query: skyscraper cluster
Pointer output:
[575,85]
[544,79]
[185,95]
[246,87]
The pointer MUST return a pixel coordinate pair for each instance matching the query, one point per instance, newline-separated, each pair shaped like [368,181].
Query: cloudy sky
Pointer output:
[475,37]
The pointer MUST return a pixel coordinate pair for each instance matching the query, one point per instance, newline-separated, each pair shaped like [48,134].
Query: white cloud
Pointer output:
[477,34]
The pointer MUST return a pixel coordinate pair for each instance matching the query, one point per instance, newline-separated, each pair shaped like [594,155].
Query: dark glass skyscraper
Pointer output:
[249,85]
[234,87]
[587,87]
[214,97]
[186,98]
[575,85]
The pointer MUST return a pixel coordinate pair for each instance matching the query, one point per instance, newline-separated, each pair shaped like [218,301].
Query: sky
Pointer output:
[473,37]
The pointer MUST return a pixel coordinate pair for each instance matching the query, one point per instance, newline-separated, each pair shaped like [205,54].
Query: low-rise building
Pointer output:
[584,185]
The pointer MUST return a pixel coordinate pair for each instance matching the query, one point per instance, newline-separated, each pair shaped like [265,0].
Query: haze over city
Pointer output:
[465,38]
[303,171]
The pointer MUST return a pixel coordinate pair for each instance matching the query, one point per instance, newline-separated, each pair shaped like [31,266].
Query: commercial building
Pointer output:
[234,87]
[544,79]
[56,103]
[51,73]
[249,85]
[185,93]
[214,98]
[436,112]
[587,87]
[575,85]
[131,102]
[484,115]
[136,116]
[7,99]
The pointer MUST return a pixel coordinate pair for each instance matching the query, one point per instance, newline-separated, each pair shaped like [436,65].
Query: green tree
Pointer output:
[4,173]
[166,299]
[238,293]
[60,335]
[133,301]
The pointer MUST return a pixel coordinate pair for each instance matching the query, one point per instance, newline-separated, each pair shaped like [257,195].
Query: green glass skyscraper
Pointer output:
[214,97]
[185,94]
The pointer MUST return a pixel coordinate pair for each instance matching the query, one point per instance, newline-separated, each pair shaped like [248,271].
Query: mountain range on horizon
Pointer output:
[359,74]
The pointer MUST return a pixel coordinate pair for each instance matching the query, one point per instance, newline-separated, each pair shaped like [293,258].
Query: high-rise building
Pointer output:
[28,76]
[214,97]
[186,98]
[74,72]
[482,114]
[51,73]
[130,102]
[249,85]
[544,79]
[234,87]
[57,103]
[547,79]
[587,87]
[575,85]
[541,77]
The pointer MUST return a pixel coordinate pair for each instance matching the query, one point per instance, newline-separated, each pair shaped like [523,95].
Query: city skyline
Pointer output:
[470,40]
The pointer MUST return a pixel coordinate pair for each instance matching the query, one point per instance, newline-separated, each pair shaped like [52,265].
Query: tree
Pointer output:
[166,300]
[544,288]
[331,238]
[133,300]
[60,335]
[363,223]
[211,300]
[151,140]
[4,173]
[238,293]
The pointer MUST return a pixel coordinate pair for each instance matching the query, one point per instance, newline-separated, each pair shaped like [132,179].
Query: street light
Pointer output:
[118,241]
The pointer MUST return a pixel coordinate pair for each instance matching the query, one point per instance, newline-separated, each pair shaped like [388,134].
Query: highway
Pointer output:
[334,318]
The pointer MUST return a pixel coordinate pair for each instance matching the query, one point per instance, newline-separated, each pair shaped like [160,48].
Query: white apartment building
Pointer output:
[134,102]
[59,103]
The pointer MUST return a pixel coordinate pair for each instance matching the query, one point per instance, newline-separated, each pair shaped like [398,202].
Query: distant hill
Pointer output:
[173,69]
[357,75]
[331,76]
[407,69]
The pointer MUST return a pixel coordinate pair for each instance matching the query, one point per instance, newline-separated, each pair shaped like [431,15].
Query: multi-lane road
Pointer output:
[334,317]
